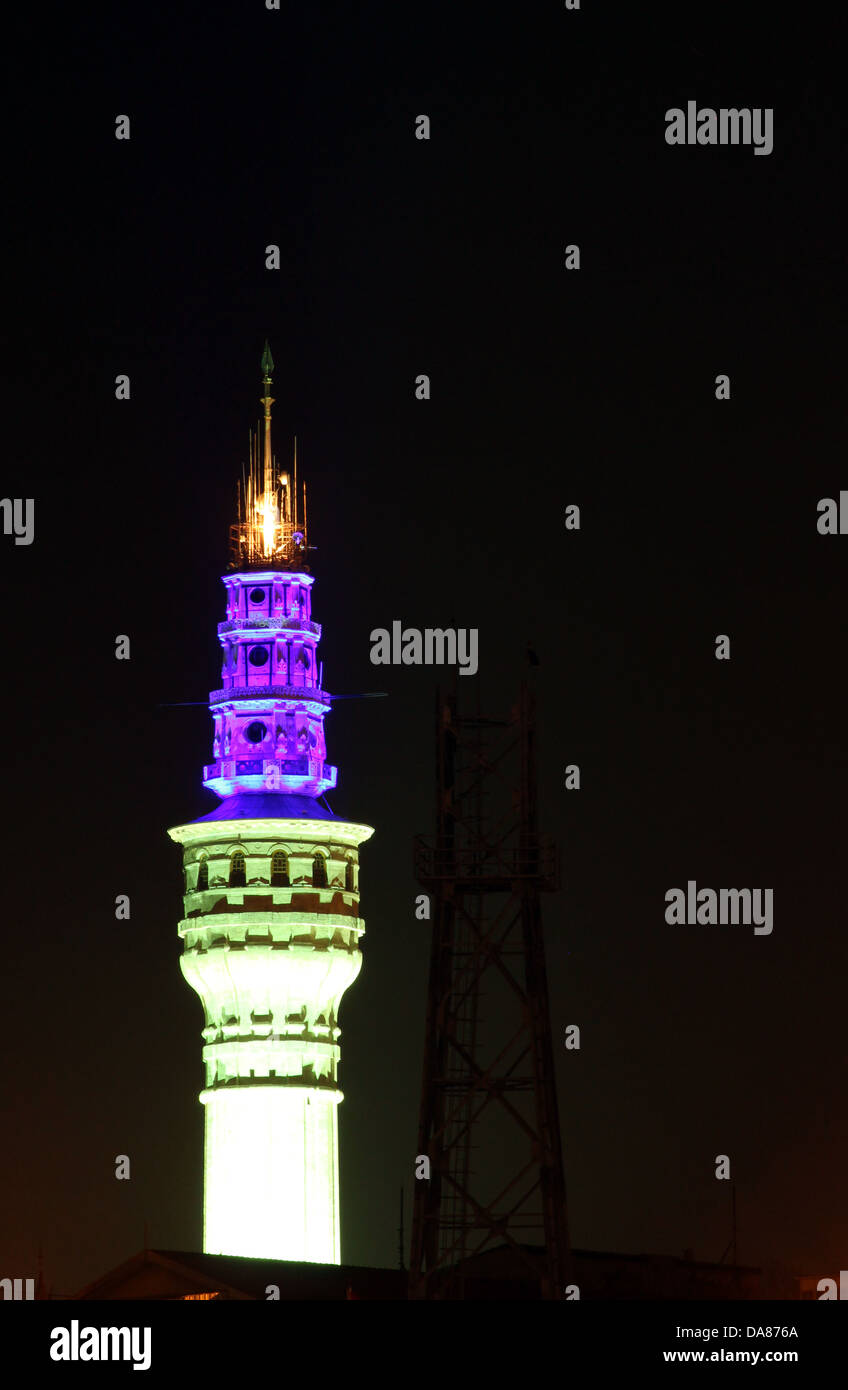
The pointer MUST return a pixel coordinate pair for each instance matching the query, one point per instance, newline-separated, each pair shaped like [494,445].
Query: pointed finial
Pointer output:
[267,401]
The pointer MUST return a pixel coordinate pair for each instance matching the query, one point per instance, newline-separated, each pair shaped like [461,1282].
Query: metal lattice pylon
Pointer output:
[488,1095]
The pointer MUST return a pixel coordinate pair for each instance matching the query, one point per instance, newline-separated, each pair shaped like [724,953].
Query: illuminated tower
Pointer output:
[271,927]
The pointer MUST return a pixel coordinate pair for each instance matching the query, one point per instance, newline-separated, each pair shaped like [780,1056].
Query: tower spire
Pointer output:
[268,529]
[267,400]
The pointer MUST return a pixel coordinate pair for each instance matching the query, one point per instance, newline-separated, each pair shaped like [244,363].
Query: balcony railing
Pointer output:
[258,767]
[303,693]
[276,624]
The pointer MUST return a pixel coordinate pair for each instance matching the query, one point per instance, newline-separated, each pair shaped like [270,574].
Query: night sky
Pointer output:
[549,387]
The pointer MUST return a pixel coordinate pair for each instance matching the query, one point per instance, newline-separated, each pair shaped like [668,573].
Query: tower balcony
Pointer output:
[301,692]
[249,625]
[302,775]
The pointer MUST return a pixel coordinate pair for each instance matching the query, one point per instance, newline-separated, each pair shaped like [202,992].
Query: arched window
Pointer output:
[319,871]
[280,870]
[349,875]
[238,875]
[202,875]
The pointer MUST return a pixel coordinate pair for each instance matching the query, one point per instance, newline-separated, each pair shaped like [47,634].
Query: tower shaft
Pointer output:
[270,943]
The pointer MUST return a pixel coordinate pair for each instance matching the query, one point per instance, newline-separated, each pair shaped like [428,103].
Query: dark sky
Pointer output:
[548,388]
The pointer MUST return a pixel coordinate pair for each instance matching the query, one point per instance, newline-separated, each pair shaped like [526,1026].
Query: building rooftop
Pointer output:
[493,1274]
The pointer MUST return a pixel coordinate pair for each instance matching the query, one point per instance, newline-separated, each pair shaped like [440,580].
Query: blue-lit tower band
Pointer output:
[271,928]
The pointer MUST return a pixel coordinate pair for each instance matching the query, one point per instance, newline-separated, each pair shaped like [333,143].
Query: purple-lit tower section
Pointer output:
[269,713]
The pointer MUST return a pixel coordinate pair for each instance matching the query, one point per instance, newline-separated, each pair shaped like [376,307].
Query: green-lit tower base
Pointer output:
[271,964]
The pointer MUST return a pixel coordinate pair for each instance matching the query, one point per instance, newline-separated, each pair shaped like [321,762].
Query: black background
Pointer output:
[549,387]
